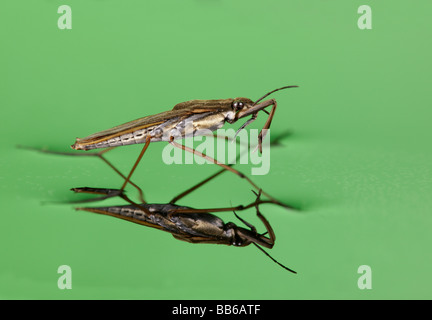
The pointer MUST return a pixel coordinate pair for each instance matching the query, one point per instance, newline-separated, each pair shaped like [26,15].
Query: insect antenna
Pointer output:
[274,260]
[267,94]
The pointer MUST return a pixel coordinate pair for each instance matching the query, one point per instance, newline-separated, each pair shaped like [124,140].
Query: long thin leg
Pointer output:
[254,110]
[237,208]
[185,193]
[198,185]
[270,241]
[226,167]
[148,139]
[266,126]
[99,155]
[263,219]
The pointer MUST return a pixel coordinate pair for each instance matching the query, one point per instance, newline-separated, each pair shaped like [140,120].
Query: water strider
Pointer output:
[101,155]
[186,119]
[189,224]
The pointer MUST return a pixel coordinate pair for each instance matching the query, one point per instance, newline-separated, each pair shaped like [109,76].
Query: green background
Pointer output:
[358,161]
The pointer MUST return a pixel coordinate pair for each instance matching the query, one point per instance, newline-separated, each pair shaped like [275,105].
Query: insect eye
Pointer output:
[238,105]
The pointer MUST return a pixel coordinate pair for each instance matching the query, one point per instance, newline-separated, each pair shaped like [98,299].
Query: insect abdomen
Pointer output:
[123,140]
[135,137]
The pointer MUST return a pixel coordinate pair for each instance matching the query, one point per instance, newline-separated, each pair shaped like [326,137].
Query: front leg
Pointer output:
[266,126]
